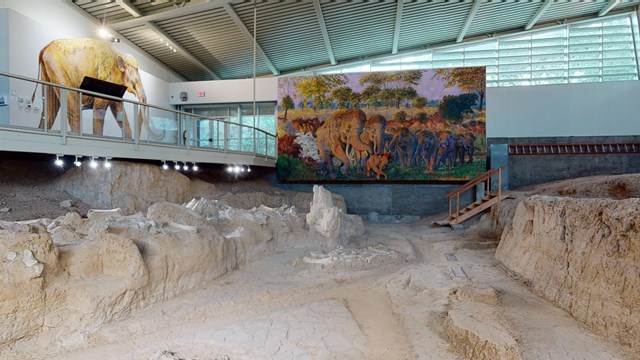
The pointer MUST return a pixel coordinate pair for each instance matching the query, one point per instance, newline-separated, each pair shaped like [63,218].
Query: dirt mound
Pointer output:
[582,254]
[606,186]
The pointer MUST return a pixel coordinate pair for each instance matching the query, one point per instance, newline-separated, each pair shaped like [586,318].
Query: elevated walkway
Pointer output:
[101,126]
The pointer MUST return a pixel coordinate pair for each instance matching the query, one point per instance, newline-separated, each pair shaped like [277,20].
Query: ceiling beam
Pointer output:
[182,50]
[325,33]
[205,5]
[396,30]
[126,4]
[236,19]
[539,13]
[610,5]
[467,23]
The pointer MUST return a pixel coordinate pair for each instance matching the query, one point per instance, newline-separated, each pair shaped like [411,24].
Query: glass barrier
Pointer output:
[32,105]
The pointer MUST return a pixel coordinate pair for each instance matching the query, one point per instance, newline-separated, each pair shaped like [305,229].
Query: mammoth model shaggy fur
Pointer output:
[68,61]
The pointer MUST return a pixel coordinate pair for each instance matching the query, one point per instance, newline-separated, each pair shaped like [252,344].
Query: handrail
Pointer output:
[473,182]
[105,96]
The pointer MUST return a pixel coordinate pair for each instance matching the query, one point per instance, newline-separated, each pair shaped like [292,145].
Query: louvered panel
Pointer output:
[360,29]
[150,7]
[108,11]
[297,23]
[567,10]
[431,23]
[501,16]
[627,3]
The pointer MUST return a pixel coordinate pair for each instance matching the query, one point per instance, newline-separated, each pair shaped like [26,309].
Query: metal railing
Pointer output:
[93,115]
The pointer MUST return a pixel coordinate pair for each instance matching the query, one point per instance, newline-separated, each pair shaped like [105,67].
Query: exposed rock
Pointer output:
[129,186]
[477,293]
[331,222]
[95,214]
[583,254]
[476,331]
[66,203]
[350,258]
[5,210]
[165,212]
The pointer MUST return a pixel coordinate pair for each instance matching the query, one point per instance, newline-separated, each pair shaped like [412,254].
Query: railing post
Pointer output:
[450,200]
[226,136]
[499,182]
[80,112]
[64,115]
[136,119]
[45,109]
[457,208]
[187,136]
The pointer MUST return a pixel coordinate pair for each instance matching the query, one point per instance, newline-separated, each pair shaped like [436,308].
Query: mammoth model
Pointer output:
[68,61]
[337,135]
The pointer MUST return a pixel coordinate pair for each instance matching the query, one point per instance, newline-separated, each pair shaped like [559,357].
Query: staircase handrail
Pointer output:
[473,182]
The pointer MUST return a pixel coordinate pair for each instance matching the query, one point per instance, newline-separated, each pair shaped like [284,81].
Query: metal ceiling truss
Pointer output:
[125,4]
[398,25]
[236,19]
[610,5]
[167,14]
[467,23]
[547,4]
[325,33]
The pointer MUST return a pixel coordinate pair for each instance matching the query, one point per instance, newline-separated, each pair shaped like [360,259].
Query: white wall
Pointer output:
[224,91]
[605,109]
[33,24]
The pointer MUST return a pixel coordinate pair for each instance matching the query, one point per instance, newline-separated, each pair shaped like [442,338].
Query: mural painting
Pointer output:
[419,125]
[68,61]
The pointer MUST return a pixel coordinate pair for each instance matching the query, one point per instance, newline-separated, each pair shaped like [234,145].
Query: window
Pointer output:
[589,51]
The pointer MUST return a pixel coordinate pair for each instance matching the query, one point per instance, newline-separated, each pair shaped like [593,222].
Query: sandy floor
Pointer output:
[280,308]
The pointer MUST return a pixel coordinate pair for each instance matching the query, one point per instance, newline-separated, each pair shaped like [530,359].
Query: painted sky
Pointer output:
[430,87]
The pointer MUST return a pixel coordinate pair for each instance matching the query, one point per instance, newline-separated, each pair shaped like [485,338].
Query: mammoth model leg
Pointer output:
[99,111]
[50,107]
[73,112]
[117,109]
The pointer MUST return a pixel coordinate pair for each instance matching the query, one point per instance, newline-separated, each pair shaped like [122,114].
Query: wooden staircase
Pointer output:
[490,198]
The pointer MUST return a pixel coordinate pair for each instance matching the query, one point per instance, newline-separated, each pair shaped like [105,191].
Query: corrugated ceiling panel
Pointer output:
[108,11]
[149,42]
[216,41]
[150,7]
[288,33]
[501,16]
[360,29]
[431,23]
[626,3]
[567,10]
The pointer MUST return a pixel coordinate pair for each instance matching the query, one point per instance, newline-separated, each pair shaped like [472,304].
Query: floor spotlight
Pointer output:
[77,162]
[248,168]
[93,163]
[236,169]
[195,167]
[242,168]
[185,167]
[230,168]
[176,166]
[164,165]
[59,161]
[107,163]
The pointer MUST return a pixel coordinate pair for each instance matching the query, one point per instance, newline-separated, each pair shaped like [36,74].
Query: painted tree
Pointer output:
[317,87]
[467,79]
[355,99]
[453,107]
[419,102]
[342,95]
[395,87]
[286,103]
[371,95]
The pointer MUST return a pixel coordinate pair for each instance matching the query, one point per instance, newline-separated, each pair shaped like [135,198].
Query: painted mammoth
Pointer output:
[403,146]
[426,153]
[372,135]
[68,61]
[338,135]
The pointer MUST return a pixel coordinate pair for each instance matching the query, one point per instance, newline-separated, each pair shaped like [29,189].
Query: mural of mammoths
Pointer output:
[448,150]
[337,135]
[372,135]
[471,146]
[376,163]
[461,149]
[426,153]
[68,61]
[303,126]
[403,146]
